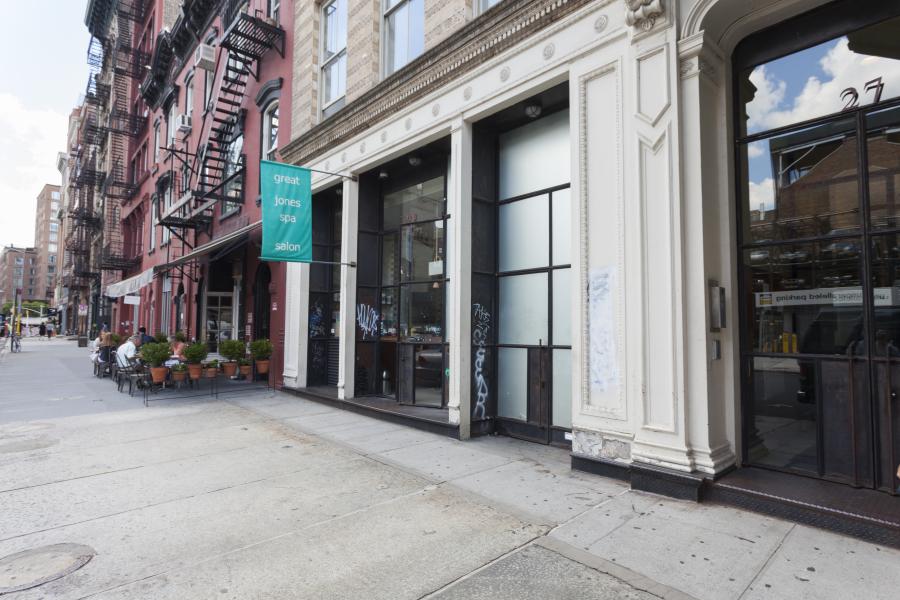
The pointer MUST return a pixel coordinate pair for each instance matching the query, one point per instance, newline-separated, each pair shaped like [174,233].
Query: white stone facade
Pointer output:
[653,219]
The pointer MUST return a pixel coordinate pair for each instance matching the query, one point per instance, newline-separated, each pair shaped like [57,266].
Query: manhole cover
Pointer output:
[31,568]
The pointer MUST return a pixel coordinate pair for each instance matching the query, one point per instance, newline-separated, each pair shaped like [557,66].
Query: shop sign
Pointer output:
[286,212]
[849,296]
[133,300]
[82,310]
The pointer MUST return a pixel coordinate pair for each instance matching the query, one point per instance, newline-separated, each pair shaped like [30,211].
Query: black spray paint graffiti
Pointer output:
[481,325]
[367,320]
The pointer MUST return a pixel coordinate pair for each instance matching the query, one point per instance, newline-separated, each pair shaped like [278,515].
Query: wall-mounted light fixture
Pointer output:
[533,110]
[382,174]
[415,161]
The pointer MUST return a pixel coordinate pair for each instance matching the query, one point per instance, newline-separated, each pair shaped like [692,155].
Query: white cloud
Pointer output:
[769,95]
[842,67]
[762,195]
[755,150]
[29,142]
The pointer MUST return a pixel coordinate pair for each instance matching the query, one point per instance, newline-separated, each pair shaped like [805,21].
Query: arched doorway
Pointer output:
[262,301]
[817,165]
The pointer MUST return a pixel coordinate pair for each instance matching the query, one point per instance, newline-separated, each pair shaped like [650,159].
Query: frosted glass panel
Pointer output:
[523,234]
[562,315]
[535,156]
[523,309]
[562,388]
[513,383]
[562,235]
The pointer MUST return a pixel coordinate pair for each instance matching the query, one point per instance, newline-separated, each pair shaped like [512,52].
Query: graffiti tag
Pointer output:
[481,325]
[367,320]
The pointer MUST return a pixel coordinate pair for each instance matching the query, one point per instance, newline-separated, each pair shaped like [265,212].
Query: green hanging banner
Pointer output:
[286,212]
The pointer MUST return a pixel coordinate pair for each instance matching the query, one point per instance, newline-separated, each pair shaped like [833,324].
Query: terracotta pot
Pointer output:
[229,368]
[211,372]
[262,366]
[179,375]
[195,371]
[158,374]
[245,370]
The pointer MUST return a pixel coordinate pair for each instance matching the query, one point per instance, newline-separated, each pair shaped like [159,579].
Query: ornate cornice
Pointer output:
[642,14]
[505,25]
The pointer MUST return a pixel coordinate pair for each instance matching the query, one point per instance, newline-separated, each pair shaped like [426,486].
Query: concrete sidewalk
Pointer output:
[273,496]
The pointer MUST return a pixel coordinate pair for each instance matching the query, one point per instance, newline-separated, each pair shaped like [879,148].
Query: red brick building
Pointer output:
[209,97]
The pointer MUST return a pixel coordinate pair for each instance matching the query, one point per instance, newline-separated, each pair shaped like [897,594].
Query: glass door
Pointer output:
[533,281]
[219,317]
[820,251]
[882,153]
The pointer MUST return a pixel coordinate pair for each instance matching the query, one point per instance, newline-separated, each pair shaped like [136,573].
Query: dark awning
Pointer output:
[229,239]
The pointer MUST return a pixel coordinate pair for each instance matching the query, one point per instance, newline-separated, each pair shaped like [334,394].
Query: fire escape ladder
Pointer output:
[126,67]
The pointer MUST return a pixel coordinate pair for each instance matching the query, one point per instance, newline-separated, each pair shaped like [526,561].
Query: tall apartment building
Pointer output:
[47,240]
[19,270]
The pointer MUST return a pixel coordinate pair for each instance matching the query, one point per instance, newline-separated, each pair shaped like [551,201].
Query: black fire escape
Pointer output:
[122,64]
[215,172]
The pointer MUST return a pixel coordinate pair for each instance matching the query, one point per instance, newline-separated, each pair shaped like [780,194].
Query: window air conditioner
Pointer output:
[183,122]
[205,57]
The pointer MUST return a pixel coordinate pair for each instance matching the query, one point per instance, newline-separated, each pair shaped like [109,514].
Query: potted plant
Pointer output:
[115,339]
[261,350]
[156,356]
[161,338]
[211,369]
[244,367]
[195,354]
[233,350]
[180,337]
[179,372]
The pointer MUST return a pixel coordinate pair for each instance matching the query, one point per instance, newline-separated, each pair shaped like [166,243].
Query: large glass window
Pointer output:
[533,277]
[325,290]
[233,176]
[404,32]
[818,158]
[401,300]
[334,56]
[270,131]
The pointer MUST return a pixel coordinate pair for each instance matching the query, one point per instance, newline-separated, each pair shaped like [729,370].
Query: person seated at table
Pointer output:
[128,350]
[177,347]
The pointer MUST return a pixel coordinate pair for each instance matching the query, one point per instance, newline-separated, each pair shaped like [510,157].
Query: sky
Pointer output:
[803,86]
[43,50]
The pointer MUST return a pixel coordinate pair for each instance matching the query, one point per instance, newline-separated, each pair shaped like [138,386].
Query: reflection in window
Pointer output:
[854,70]
[802,184]
[233,176]
[420,202]
[270,131]
[404,33]
[334,56]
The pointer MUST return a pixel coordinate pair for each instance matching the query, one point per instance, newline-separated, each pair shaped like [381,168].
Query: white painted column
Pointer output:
[349,238]
[708,254]
[459,269]
[655,152]
[296,324]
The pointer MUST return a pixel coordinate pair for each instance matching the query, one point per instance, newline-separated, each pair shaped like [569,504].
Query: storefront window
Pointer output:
[325,290]
[819,158]
[400,310]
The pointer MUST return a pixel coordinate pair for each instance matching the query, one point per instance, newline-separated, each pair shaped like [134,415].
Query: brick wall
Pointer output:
[363,46]
[305,90]
[443,17]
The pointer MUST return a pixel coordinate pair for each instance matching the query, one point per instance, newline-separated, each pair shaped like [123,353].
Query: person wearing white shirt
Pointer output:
[128,350]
